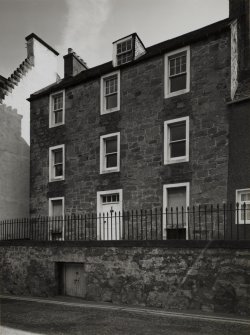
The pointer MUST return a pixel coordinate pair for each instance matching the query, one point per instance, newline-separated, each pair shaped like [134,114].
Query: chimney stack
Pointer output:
[73,64]
[240,10]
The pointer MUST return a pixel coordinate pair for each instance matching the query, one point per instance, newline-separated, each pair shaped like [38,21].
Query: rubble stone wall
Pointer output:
[180,275]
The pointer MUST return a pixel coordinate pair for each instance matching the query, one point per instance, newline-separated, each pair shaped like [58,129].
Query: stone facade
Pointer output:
[140,122]
[180,277]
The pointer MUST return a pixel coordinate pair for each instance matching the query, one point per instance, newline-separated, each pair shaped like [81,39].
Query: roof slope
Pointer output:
[152,51]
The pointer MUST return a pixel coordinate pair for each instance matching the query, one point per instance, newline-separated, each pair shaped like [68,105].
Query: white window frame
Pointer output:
[53,178]
[167,158]
[52,123]
[165,201]
[115,49]
[50,205]
[237,197]
[167,92]
[103,99]
[103,168]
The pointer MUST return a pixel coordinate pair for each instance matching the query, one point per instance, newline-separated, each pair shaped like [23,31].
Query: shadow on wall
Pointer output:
[14,166]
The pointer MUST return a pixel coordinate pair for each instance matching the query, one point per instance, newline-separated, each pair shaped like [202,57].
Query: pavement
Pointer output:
[64,315]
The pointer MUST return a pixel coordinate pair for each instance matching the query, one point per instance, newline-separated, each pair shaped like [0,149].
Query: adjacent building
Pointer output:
[37,70]
[163,126]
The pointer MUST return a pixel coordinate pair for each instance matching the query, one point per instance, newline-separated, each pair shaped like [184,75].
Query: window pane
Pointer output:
[124,58]
[183,64]
[58,170]
[245,213]
[111,145]
[119,48]
[129,44]
[178,149]
[111,85]
[58,156]
[115,197]
[245,196]
[58,116]
[172,67]
[58,101]
[111,160]
[111,101]
[124,46]
[178,83]
[177,131]
[57,208]
[177,63]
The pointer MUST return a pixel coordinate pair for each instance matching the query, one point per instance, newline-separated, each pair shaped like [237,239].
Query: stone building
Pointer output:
[14,166]
[36,71]
[162,126]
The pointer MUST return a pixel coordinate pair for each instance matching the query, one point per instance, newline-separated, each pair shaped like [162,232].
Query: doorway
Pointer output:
[175,220]
[73,280]
[109,212]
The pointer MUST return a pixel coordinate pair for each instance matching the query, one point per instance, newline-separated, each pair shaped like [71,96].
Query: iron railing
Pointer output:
[226,222]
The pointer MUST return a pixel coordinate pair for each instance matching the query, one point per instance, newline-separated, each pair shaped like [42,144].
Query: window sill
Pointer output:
[104,112]
[176,161]
[174,94]
[56,125]
[110,171]
[57,179]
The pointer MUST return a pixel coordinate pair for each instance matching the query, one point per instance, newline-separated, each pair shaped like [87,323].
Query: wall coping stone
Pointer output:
[168,244]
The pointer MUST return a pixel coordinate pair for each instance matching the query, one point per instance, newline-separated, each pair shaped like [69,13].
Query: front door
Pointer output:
[176,200]
[75,280]
[109,209]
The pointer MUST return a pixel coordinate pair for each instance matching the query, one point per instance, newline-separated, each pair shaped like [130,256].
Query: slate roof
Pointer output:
[155,50]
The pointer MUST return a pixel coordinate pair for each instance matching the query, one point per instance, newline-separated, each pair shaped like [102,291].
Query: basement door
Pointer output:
[74,280]
[109,211]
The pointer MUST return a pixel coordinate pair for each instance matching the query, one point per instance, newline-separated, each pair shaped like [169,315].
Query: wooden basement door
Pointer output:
[75,280]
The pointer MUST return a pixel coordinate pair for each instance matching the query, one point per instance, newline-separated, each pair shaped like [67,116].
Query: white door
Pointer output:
[176,200]
[109,211]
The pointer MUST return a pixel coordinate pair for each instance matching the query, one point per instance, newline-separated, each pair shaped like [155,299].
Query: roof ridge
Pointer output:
[152,51]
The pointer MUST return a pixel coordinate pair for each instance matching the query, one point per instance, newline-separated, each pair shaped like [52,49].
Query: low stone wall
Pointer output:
[179,275]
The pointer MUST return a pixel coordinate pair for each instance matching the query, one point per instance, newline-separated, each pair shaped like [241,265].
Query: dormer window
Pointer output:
[124,52]
[127,49]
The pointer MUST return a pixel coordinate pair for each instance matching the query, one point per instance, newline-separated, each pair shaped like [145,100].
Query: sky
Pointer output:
[90,26]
